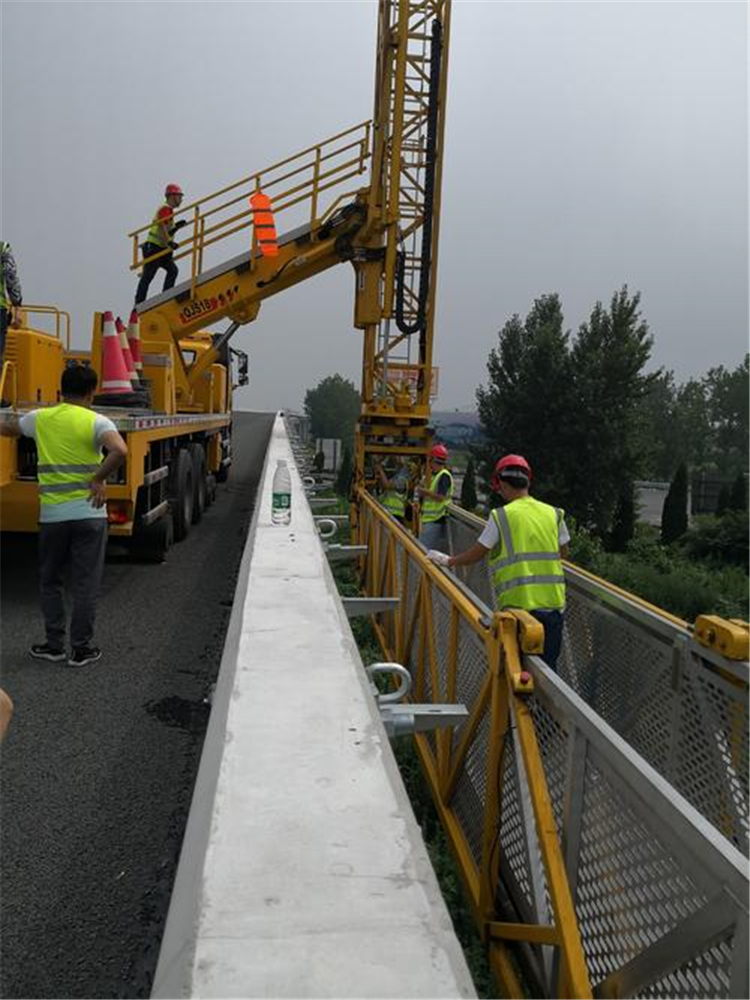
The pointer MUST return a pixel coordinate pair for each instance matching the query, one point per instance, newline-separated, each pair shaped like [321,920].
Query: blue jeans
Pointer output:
[553,622]
[434,535]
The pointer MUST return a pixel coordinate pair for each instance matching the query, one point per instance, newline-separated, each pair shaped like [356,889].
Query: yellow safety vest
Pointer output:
[394,502]
[154,234]
[433,510]
[67,456]
[526,568]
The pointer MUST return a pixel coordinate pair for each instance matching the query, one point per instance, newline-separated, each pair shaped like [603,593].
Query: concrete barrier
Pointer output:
[303,872]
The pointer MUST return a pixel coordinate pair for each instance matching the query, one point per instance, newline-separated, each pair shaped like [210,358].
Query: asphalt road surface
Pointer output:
[99,763]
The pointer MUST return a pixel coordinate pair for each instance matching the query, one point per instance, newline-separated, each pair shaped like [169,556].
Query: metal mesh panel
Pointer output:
[441,621]
[469,798]
[631,889]
[711,756]
[705,976]
[637,672]
[471,672]
[513,844]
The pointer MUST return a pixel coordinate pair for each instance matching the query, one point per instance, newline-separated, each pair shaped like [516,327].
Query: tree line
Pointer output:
[590,419]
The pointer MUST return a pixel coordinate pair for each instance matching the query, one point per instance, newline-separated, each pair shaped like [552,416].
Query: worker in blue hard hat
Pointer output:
[526,541]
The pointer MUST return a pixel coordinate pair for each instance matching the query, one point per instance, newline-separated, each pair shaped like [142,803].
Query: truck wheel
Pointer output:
[210,489]
[181,493]
[198,456]
[151,542]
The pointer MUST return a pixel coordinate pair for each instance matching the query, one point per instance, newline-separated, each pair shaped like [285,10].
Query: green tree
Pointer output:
[528,396]
[574,411]
[344,477]
[623,525]
[738,493]
[602,431]
[469,488]
[725,499]
[674,516]
[333,408]
[728,398]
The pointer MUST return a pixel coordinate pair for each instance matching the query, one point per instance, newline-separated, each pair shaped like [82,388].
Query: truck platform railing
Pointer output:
[563,832]
[681,706]
[298,186]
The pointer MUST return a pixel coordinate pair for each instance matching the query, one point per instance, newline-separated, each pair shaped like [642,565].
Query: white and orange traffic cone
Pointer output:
[115,377]
[125,346]
[134,340]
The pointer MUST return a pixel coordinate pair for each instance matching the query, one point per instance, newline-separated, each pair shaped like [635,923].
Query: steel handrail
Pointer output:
[306,189]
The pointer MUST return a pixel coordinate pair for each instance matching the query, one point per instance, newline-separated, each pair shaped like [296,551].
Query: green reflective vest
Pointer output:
[433,510]
[67,455]
[154,233]
[526,568]
[394,502]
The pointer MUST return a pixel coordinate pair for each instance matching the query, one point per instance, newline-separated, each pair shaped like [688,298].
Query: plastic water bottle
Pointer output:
[281,503]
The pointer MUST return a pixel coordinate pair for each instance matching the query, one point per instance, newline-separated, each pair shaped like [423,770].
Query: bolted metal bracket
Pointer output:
[402,720]
[355,606]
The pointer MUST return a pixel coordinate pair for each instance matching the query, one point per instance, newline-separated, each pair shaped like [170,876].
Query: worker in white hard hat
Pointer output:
[158,249]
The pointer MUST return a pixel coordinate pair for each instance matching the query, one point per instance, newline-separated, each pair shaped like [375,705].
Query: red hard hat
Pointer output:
[173,189]
[439,452]
[508,463]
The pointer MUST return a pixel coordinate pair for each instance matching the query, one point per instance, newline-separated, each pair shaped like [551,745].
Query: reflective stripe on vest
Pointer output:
[526,568]
[67,455]
[154,233]
[432,510]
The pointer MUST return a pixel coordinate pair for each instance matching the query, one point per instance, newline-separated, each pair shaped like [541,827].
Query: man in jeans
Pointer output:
[526,541]
[72,510]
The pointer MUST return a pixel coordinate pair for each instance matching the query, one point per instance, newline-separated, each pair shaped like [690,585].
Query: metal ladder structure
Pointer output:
[599,818]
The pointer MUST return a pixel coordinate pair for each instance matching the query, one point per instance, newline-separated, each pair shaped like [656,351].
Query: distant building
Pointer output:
[456,428]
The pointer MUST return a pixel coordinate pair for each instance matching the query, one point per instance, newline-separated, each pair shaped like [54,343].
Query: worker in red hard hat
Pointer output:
[526,541]
[435,496]
[158,240]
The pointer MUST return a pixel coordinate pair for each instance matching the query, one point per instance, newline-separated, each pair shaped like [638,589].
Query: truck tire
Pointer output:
[200,489]
[181,493]
[210,489]
[151,542]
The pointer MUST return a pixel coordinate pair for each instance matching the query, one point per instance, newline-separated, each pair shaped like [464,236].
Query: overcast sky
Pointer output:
[588,145]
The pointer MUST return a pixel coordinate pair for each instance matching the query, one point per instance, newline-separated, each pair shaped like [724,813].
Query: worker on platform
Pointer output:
[158,240]
[72,510]
[435,499]
[394,486]
[526,541]
[11,298]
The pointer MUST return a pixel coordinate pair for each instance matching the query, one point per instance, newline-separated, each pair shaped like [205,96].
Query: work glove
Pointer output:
[439,558]
[179,224]
[173,245]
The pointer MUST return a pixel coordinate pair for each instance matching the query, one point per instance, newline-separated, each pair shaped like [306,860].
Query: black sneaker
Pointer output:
[84,654]
[43,651]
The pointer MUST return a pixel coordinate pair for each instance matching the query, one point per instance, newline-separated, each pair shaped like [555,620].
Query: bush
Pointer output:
[720,538]
[672,577]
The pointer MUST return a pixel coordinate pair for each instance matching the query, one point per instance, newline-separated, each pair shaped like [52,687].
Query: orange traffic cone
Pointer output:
[115,378]
[134,340]
[122,334]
